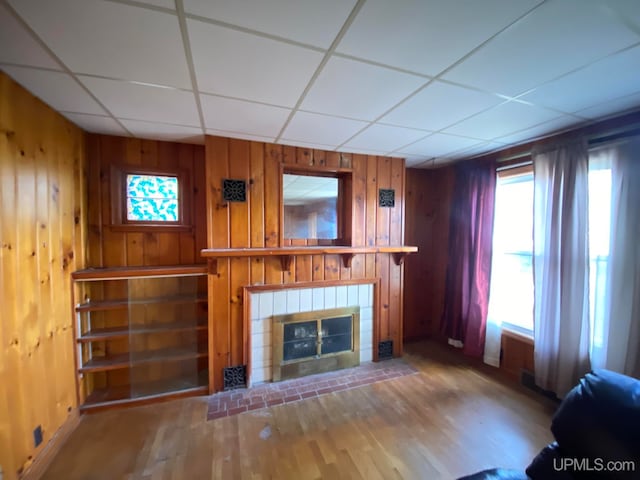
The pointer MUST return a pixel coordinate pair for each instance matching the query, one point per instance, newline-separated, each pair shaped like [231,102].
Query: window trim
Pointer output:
[119,220]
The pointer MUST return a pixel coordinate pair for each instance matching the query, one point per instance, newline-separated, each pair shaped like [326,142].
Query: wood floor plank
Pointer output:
[452,418]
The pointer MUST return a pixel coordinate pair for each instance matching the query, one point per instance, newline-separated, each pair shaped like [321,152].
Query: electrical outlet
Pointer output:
[37,435]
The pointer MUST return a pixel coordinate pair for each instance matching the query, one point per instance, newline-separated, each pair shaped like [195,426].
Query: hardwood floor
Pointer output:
[450,419]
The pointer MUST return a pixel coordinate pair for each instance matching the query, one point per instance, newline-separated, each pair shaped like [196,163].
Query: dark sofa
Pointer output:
[597,434]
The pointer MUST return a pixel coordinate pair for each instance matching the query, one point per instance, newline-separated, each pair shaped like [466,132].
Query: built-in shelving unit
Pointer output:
[141,334]
[286,254]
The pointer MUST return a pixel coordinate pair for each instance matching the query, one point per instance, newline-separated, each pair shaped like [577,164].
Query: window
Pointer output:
[511,291]
[152,198]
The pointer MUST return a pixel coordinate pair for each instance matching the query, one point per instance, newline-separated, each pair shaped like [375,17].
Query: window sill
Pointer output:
[518,335]
[150,227]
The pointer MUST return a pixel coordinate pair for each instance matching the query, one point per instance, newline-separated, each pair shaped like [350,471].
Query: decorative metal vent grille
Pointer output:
[387,197]
[385,350]
[235,377]
[234,190]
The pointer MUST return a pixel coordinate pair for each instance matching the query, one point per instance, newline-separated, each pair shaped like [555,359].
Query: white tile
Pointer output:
[318,299]
[363,294]
[366,338]
[162,131]
[341,297]
[261,357]
[426,35]
[305,300]
[111,39]
[563,122]
[440,105]
[242,136]
[352,295]
[237,64]
[56,89]
[266,304]
[501,120]
[330,297]
[366,355]
[143,102]
[366,314]
[616,105]
[307,21]
[259,375]
[602,81]
[358,90]
[560,36]
[254,301]
[384,138]
[96,123]
[321,129]
[243,117]
[293,300]
[439,144]
[17,45]
[279,302]
[261,326]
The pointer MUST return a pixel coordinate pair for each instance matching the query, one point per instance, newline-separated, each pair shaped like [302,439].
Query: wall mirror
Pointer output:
[311,205]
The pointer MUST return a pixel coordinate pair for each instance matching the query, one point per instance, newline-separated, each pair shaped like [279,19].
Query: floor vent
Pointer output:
[235,377]
[385,350]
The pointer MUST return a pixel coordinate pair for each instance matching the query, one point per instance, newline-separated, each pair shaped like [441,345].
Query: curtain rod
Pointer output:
[592,141]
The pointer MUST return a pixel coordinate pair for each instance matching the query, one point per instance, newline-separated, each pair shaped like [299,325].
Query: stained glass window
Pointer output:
[152,198]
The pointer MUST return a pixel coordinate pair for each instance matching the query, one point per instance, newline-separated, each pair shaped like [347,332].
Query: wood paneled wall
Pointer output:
[428,200]
[42,233]
[256,223]
[111,247]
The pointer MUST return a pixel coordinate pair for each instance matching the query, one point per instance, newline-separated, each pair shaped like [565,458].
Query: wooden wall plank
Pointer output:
[42,234]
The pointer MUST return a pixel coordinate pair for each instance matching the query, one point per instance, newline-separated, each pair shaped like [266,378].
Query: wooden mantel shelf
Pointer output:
[123,273]
[286,253]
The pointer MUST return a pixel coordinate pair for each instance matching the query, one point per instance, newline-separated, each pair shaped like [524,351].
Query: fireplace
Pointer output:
[305,343]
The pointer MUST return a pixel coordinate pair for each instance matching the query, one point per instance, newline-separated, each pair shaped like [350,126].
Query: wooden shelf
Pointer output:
[113,333]
[127,360]
[286,253]
[123,273]
[102,305]
[102,398]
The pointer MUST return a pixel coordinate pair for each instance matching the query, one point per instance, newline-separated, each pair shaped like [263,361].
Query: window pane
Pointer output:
[152,198]
[511,296]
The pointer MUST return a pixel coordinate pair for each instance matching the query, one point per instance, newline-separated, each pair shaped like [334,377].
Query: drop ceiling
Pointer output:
[429,80]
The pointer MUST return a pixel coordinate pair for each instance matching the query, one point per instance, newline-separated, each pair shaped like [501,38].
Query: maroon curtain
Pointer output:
[469,263]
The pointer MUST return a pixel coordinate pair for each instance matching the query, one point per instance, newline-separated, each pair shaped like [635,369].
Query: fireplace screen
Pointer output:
[314,342]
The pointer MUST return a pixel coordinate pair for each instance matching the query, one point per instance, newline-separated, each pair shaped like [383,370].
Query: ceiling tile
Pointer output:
[111,39]
[478,149]
[440,105]
[384,138]
[57,89]
[413,161]
[358,90]
[502,120]
[546,128]
[555,39]
[438,144]
[161,131]
[426,36]
[18,46]
[96,124]
[242,136]
[617,105]
[627,11]
[317,146]
[364,151]
[307,21]
[320,129]
[243,117]
[237,64]
[144,102]
[171,4]
[607,79]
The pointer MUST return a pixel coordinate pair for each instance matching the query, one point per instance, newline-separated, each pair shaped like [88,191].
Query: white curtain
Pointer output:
[561,265]
[616,307]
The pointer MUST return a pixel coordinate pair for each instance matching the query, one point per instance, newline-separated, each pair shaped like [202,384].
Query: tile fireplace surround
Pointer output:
[265,303]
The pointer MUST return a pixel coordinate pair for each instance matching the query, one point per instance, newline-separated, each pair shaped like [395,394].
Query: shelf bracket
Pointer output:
[212,264]
[285,261]
[346,259]
[398,257]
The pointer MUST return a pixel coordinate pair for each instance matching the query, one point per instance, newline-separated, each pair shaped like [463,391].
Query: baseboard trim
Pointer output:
[44,458]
